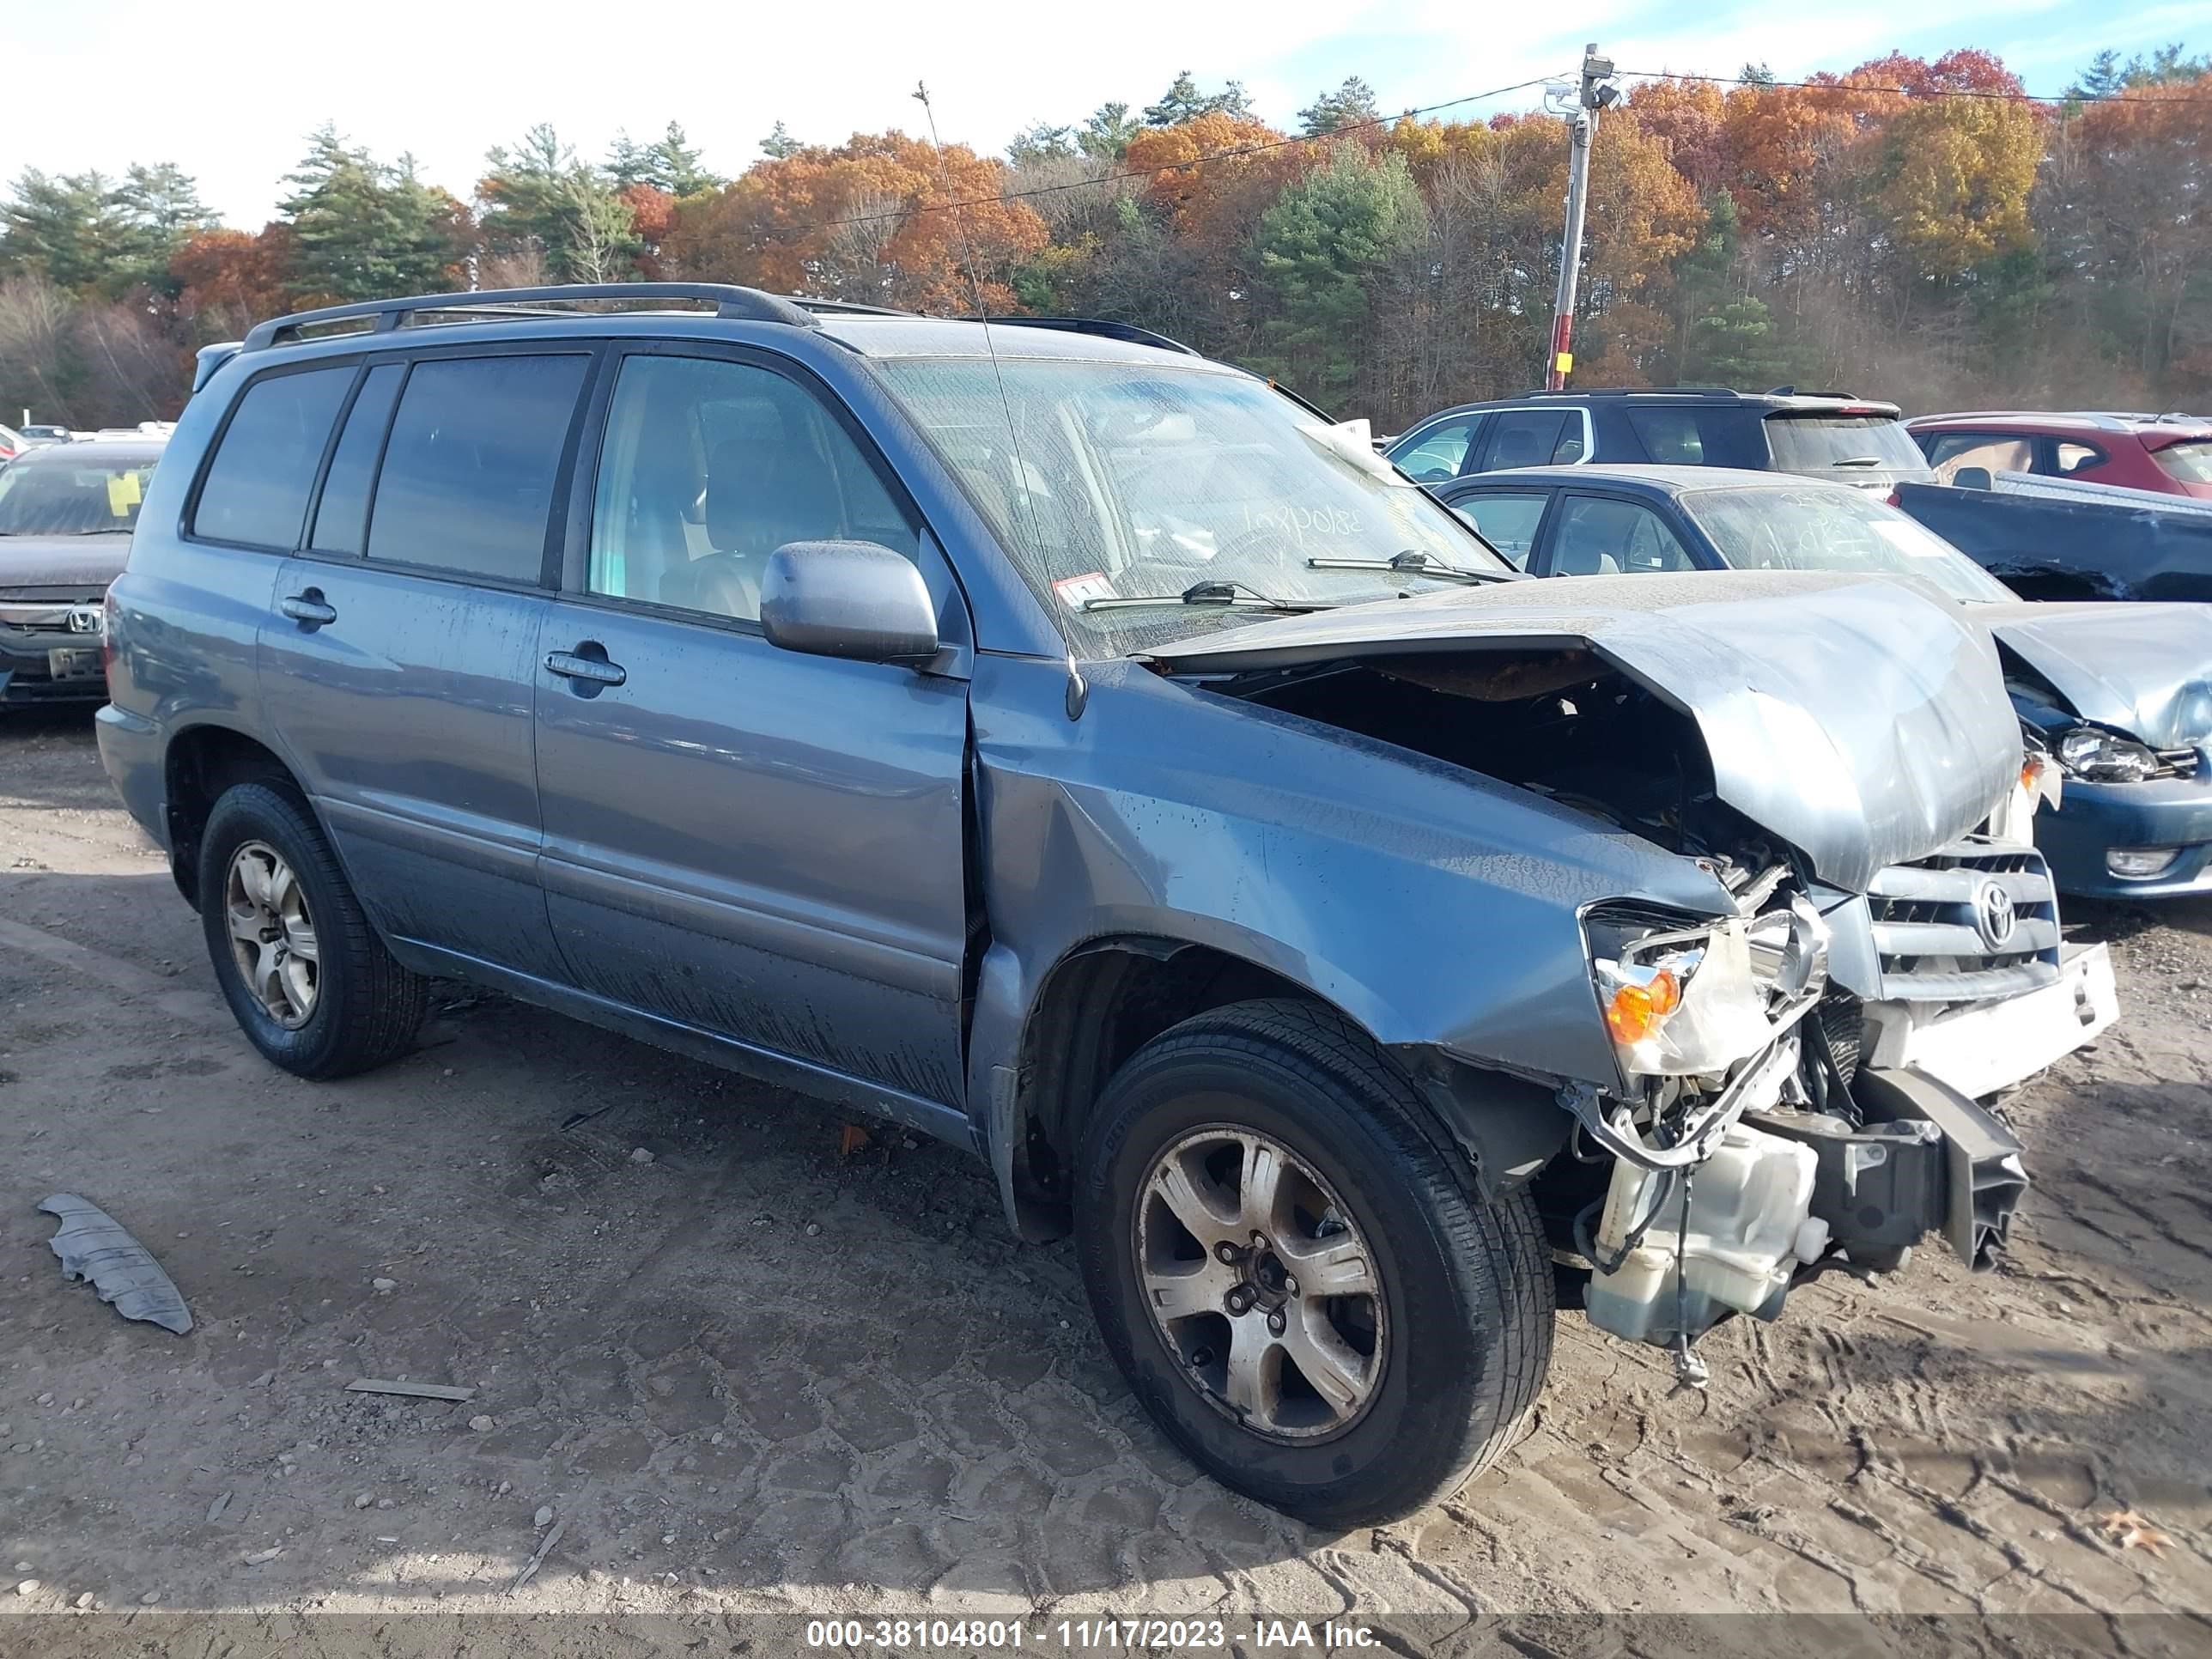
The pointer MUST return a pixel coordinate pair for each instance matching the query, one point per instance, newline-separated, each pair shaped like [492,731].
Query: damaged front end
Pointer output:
[1798,742]
[1744,1156]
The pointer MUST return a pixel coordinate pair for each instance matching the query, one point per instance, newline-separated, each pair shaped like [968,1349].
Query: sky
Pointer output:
[229,92]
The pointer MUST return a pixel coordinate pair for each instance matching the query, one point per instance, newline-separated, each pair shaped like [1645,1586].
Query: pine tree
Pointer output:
[1351,105]
[365,229]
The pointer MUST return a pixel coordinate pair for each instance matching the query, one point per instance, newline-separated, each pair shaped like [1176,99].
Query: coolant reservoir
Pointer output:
[1750,1205]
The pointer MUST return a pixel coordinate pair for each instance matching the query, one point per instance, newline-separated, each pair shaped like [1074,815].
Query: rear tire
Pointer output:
[1422,1378]
[308,978]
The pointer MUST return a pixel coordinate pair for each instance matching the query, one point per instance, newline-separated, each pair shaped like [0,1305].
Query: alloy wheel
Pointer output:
[272,936]
[1260,1283]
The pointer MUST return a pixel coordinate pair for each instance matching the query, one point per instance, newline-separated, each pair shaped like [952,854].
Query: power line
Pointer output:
[1228,155]
[2129,96]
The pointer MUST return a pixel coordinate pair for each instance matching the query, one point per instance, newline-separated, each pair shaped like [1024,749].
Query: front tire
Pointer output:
[1293,1275]
[308,978]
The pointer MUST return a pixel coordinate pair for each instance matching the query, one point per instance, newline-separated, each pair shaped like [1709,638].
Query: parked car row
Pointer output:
[2121,698]
[1081,751]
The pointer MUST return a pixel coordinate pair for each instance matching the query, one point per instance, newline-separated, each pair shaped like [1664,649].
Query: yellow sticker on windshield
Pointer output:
[123,494]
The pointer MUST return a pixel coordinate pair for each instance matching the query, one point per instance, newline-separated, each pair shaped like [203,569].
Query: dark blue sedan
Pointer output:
[2120,695]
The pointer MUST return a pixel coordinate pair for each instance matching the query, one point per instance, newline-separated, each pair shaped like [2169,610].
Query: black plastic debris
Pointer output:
[94,1245]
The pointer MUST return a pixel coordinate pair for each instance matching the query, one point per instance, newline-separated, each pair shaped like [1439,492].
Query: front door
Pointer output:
[741,840]
[401,664]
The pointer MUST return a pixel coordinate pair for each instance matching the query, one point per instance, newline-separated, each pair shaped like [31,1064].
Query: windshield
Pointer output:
[1131,481]
[1822,528]
[87,494]
[2186,463]
[1815,443]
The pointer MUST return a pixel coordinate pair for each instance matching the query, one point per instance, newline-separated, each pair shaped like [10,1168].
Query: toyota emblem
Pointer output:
[1994,914]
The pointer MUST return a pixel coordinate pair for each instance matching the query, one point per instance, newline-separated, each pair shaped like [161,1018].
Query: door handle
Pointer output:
[308,610]
[595,670]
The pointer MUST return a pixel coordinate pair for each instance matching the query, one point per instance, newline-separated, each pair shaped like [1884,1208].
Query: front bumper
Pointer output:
[1982,1047]
[2094,817]
[62,673]
[45,659]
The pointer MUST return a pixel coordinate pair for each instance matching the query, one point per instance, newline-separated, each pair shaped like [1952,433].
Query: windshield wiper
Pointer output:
[1231,594]
[1857,460]
[1411,562]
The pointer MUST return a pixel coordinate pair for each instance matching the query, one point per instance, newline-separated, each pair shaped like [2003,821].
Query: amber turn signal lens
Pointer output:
[1633,1012]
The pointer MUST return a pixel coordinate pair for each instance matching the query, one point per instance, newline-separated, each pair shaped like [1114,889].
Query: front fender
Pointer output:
[1434,907]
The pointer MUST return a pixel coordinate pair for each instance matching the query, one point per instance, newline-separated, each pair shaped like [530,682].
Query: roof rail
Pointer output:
[382,316]
[1626,392]
[1129,333]
[845,307]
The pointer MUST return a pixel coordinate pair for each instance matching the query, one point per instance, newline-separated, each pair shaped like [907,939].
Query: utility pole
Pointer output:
[1597,92]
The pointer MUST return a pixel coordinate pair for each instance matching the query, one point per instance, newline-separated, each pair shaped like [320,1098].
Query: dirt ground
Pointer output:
[752,1375]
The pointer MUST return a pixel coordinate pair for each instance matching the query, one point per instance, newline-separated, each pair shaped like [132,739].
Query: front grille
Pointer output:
[2175,763]
[1928,924]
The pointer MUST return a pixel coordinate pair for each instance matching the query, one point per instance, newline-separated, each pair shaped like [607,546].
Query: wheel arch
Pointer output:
[1105,997]
[200,762]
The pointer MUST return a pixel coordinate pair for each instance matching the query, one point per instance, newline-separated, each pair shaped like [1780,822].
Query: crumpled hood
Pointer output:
[1862,721]
[2145,670]
[89,561]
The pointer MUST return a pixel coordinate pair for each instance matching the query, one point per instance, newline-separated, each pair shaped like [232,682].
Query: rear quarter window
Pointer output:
[1685,434]
[257,486]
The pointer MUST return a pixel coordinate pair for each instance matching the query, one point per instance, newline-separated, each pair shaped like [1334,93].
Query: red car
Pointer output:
[2170,454]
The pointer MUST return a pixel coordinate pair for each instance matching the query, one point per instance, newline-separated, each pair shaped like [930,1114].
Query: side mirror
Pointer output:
[1971,478]
[852,599]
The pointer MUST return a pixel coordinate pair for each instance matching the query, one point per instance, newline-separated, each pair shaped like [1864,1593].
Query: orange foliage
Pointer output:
[1215,203]
[231,271]
[867,221]
[1690,121]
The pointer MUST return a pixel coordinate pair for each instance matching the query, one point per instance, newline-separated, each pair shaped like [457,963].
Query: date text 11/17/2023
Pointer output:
[1075,1635]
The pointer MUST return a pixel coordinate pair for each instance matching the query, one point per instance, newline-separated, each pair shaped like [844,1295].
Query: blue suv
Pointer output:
[1061,745]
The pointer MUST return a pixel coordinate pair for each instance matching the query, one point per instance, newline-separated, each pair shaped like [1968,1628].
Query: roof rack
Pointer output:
[1129,333]
[382,316]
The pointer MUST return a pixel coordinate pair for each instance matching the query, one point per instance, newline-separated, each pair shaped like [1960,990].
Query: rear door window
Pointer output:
[1508,521]
[470,466]
[1671,437]
[257,486]
[1991,451]
[1526,437]
[1599,536]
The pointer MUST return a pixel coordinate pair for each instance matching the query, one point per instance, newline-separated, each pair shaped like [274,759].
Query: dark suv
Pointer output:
[1820,434]
[1076,750]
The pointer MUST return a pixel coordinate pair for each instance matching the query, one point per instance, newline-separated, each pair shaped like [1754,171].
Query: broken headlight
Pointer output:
[2097,755]
[1692,1001]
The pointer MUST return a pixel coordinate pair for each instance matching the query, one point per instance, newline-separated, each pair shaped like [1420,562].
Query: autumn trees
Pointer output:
[1912,227]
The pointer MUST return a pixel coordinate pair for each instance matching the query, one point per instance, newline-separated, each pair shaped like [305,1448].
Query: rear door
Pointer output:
[400,667]
[740,839]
